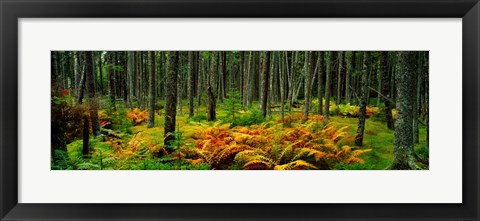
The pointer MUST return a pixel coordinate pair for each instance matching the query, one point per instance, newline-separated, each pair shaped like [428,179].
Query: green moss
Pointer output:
[103,156]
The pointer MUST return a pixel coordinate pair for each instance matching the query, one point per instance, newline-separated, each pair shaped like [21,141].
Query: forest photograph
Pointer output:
[239,110]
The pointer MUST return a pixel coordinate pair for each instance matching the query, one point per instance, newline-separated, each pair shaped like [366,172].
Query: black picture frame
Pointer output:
[12,10]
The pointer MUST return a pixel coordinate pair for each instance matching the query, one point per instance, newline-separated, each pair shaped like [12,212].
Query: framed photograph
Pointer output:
[176,110]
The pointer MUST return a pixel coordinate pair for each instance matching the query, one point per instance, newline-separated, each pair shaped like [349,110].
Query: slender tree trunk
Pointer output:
[81,87]
[131,73]
[92,100]
[264,81]
[339,78]
[151,91]
[171,101]
[111,79]
[379,85]
[221,76]
[77,68]
[386,88]
[179,86]
[363,99]
[139,78]
[200,79]
[328,83]
[403,158]
[282,89]
[100,70]
[350,58]
[321,68]
[242,77]
[416,106]
[249,85]
[273,74]
[191,82]
[427,105]
[211,98]
[308,78]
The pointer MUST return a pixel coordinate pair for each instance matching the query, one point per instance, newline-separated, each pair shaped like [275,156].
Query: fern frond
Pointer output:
[297,164]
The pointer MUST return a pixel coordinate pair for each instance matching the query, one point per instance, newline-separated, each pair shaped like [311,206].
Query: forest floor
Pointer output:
[131,145]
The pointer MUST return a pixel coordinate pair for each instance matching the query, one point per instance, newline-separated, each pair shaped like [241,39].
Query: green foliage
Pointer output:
[61,161]
[199,117]
[422,153]
[176,143]
[353,166]
[152,164]
[232,104]
[118,118]
[254,116]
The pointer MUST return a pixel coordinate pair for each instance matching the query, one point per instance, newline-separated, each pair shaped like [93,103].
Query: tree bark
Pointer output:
[427,106]
[403,158]
[282,89]
[151,91]
[92,100]
[81,87]
[211,85]
[179,86]
[386,88]
[171,101]
[350,58]
[308,78]
[191,82]
[131,73]
[328,82]
[416,106]
[338,100]
[320,81]
[264,81]
[363,99]
[100,70]
[111,79]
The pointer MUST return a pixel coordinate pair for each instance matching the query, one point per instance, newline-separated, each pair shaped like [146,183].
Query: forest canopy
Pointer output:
[239,110]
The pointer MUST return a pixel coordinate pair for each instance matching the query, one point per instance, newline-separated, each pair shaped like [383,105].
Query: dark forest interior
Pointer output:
[239,110]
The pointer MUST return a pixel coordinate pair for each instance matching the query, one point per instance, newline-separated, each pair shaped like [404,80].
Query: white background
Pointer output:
[441,184]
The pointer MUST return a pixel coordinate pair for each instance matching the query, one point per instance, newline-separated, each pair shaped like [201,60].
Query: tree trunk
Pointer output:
[111,79]
[250,79]
[403,158]
[179,86]
[131,73]
[264,81]
[350,58]
[100,71]
[242,77]
[282,89]
[328,82]
[339,78]
[386,88]
[427,110]
[191,82]
[363,99]
[151,91]
[320,81]
[416,106]
[200,79]
[171,101]
[211,85]
[81,87]
[77,68]
[308,78]
[92,100]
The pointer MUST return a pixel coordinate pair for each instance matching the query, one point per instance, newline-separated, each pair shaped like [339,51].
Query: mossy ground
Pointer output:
[111,153]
